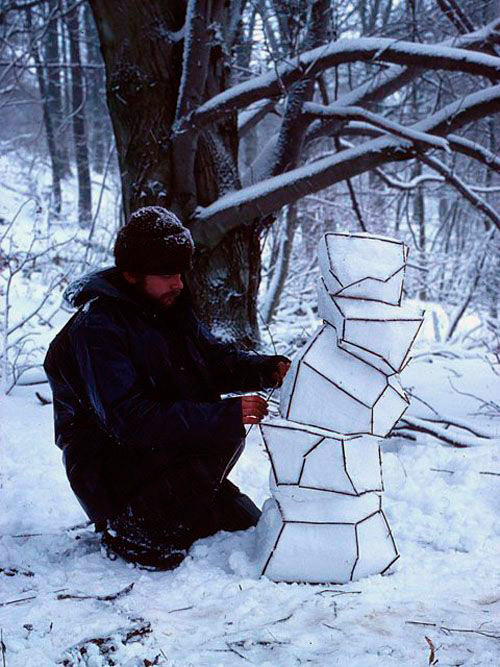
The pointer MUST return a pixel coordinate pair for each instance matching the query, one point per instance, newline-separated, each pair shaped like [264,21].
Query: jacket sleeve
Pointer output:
[129,410]
[236,370]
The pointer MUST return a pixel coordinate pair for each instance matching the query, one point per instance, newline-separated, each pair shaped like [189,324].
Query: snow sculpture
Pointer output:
[324,522]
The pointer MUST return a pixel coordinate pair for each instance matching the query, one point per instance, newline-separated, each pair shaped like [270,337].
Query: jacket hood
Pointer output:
[110,283]
[106,282]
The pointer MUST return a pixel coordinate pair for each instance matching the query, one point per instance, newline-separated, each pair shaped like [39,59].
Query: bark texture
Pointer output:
[162,61]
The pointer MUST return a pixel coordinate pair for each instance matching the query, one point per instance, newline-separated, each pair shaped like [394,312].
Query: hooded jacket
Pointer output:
[136,386]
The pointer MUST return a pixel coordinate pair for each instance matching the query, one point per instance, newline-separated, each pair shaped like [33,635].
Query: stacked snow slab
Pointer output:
[378,333]
[330,388]
[324,522]
[363,266]
[316,552]
[314,458]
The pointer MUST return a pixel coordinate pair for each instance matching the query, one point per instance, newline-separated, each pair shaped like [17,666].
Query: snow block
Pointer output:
[363,266]
[323,552]
[379,334]
[319,459]
[328,387]
[299,504]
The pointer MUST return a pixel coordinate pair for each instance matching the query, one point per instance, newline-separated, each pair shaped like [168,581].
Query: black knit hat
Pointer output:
[154,242]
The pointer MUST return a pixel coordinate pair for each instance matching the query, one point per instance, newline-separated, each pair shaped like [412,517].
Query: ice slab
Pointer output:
[322,552]
[363,266]
[378,333]
[377,549]
[299,504]
[320,459]
[349,466]
[286,447]
[329,388]
[313,553]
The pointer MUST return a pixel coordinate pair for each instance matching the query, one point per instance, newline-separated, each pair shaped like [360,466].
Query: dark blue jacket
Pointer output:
[135,386]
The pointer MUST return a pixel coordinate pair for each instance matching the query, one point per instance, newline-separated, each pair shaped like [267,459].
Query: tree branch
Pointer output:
[454,14]
[249,119]
[473,198]
[458,144]
[311,63]
[313,110]
[210,224]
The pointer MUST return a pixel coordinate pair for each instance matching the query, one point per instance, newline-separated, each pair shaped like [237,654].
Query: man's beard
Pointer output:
[163,301]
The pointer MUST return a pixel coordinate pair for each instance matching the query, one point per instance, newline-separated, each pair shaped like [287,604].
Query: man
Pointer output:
[137,380]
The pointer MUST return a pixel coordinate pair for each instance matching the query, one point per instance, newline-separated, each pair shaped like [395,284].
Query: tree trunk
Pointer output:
[97,112]
[143,51]
[55,101]
[79,120]
[48,124]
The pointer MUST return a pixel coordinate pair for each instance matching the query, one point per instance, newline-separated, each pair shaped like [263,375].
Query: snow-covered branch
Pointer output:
[313,110]
[409,425]
[311,63]
[210,224]
[456,143]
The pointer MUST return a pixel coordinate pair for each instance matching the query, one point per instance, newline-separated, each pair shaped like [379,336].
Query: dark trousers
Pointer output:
[190,499]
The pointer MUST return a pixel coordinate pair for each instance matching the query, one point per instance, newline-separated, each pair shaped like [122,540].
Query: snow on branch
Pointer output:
[408,425]
[210,224]
[425,178]
[474,150]
[313,110]
[456,143]
[311,63]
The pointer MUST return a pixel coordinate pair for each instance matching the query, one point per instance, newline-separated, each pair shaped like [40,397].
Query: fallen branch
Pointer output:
[429,428]
[101,598]
[445,629]
[32,597]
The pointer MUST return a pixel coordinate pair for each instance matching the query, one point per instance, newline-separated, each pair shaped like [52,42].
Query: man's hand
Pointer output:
[279,373]
[253,409]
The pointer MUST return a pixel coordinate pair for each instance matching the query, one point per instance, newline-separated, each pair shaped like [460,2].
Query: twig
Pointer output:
[4,604]
[101,598]
[2,648]
[42,399]
[443,628]
[233,650]
[432,654]
[172,611]
[338,592]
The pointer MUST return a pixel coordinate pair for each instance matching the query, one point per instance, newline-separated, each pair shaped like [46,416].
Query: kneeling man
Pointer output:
[137,381]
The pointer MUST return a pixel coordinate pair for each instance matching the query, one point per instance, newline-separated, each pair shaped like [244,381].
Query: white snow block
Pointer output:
[363,266]
[377,549]
[318,459]
[378,333]
[322,552]
[328,387]
[299,504]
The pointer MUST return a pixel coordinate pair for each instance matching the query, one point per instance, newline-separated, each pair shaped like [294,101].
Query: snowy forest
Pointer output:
[264,125]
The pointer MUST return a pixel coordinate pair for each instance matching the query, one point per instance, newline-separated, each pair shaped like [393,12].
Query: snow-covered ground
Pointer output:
[58,602]
[442,504]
